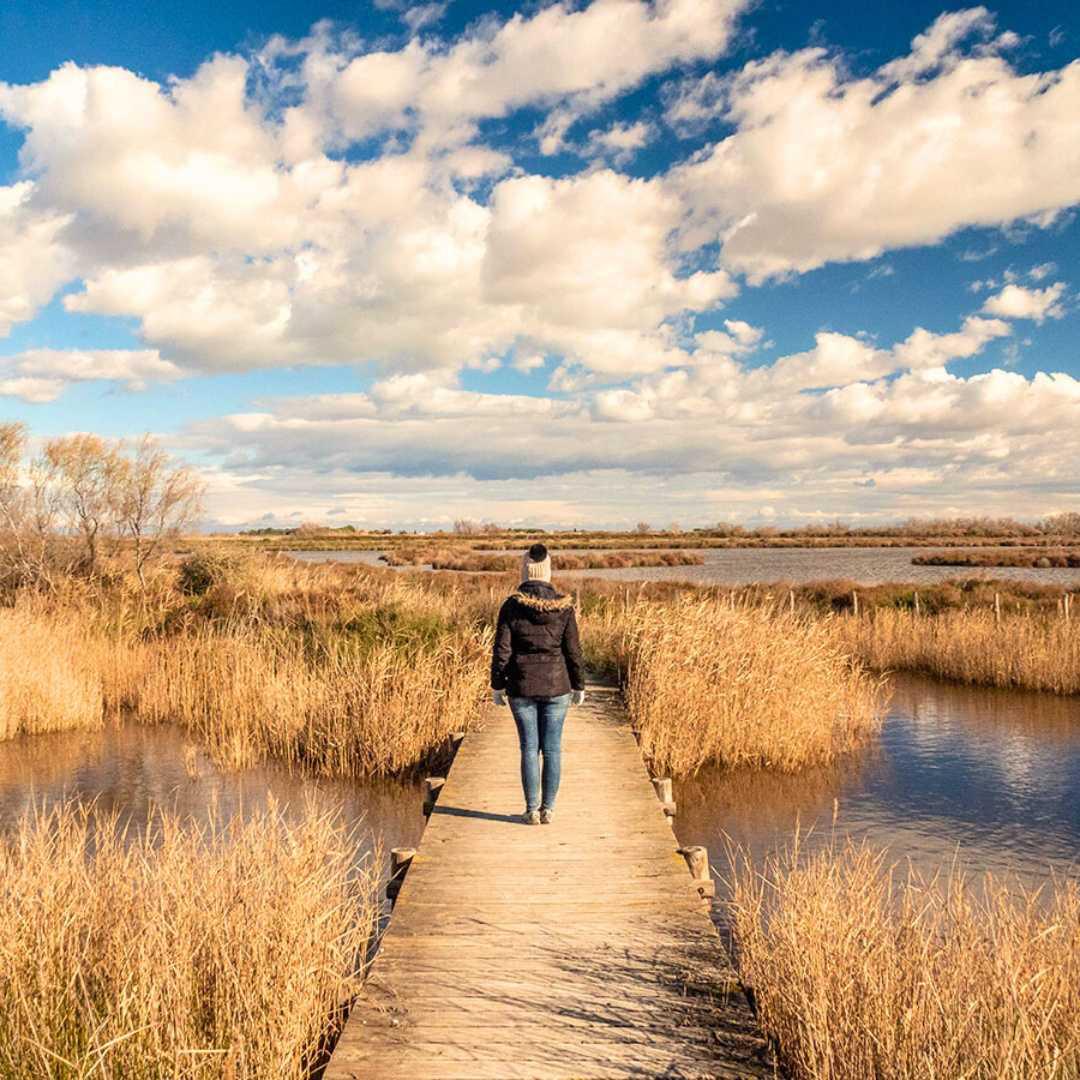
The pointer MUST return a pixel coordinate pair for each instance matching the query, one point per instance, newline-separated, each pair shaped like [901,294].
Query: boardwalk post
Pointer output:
[697,860]
[400,857]
[432,787]
[662,787]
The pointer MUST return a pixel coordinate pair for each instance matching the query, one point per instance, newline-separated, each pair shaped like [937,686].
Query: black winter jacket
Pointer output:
[536,651]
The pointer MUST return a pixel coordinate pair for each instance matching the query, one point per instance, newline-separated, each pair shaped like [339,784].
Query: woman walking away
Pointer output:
[537,662]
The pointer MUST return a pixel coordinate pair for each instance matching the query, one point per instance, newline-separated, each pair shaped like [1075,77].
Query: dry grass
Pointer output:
[190,954]
[1034,652]
[343,673]
[49,681]
[861,972]
[708,683]
[1032,557]
[468,561]
[341,709]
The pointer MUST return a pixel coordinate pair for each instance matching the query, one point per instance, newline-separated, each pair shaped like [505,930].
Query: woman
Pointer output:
[537,662]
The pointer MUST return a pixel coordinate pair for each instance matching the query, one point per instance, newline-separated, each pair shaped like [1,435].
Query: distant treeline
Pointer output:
[1063,528]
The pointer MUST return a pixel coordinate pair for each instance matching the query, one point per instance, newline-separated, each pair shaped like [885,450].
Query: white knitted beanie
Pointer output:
[536,569]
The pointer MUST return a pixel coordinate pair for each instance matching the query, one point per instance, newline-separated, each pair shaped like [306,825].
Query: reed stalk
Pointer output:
[193,953]
[862,970]
[731,685]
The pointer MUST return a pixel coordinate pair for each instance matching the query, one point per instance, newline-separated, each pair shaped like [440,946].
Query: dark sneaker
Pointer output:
[546,816]
[531,817]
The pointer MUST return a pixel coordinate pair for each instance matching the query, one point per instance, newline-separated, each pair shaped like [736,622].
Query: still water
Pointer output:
[742,566]
[990,778]
[135,769]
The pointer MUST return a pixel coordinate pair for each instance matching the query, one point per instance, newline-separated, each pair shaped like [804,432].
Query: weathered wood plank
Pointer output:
[576,949]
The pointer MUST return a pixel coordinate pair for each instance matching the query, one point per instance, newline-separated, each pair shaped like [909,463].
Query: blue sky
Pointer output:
[689,260]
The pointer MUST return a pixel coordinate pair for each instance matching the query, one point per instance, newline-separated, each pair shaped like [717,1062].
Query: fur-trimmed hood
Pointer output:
[542,603]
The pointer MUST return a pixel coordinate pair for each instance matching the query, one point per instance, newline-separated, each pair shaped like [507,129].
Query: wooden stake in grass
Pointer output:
[997,608]
[855,603]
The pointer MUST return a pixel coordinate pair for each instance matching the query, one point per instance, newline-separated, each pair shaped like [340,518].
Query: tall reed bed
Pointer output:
[346,674]
[712,683]
[48,681]
[1034,652]
[860,971]
[221,952]
[340,708]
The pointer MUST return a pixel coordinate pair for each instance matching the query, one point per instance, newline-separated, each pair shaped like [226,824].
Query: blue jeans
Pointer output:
[539,727]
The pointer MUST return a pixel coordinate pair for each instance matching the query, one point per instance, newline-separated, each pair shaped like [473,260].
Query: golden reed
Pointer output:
[1032,652]
[347,675]
[861,970]
[711,683]
[226,951]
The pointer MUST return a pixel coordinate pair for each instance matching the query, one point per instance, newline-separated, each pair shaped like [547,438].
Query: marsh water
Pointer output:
[990,777]
[134,770]
[987,778]
[743,566]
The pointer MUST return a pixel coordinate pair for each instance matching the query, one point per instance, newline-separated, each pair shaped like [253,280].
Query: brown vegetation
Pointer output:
[861,971]
[707,683]
[1032,652]
[344,672]
[476,562]
[194,954]
[1038,558]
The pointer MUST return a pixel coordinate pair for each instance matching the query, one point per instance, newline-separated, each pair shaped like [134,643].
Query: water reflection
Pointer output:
[134,769]
[988,776]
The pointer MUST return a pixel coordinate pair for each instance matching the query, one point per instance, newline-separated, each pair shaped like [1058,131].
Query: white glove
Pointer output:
[498,696]
[578,698]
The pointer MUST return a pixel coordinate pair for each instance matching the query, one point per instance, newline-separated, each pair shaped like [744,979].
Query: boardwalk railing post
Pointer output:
[697,859]
[432,787]
[662,787]
[400,858]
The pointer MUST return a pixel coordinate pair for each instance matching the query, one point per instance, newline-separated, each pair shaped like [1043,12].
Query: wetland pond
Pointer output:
[134,769]
[744,566]
[989,776]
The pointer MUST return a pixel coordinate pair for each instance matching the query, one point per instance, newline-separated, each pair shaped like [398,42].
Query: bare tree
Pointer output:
[12,501]
[82,472]
[643,527]
[153,497]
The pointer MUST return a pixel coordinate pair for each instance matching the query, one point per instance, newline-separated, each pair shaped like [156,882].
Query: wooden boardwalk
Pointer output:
[575,949]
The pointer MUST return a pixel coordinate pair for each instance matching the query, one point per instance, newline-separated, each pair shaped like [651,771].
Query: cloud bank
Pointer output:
[407,208]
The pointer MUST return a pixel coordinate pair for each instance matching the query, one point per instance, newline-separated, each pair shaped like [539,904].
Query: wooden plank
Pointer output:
[575,949]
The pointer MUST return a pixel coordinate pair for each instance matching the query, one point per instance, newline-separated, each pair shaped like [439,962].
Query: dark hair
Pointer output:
[538,553]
